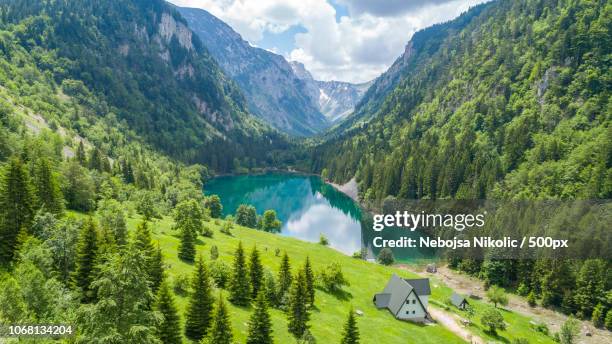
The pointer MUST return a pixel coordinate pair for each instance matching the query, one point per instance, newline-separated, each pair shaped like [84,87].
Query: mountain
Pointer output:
[420,48]
[510,100]
[144,65]
[335,99]
[272,91]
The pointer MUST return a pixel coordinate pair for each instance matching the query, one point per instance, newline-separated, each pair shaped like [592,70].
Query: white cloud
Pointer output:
[356,48]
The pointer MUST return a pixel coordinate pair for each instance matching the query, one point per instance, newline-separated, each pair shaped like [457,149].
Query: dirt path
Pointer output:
[451,322]
[468,285]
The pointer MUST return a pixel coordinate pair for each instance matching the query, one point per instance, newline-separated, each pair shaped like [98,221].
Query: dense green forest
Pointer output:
[513,105]
[510,102]
[138,61]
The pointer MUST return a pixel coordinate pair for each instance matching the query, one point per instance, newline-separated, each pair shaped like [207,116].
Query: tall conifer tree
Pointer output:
[284,278]
[156,269]
[256,272]
[221,331]
[47,188]
[260,325]
[80,155]
[86,260]
[16,207]
[240,291]
[155,266]
[309,275]
[350,335]
[298,306]
[200,304]
[187,249]
[169,329]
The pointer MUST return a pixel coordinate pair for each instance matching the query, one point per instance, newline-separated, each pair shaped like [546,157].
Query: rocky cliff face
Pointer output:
[335,99]
[272,90]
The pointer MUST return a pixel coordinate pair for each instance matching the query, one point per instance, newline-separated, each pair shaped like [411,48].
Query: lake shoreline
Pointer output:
[350,189]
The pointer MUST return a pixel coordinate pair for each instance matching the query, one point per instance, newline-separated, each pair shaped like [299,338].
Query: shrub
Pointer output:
[493,320]
[531,299]
[598,317]
[385,257]
[226,228]
[497,295]
[569,331]
[214,252]
[323,240]
[522,289]
[608,321]
[332,277]
[220,273]
[181,284]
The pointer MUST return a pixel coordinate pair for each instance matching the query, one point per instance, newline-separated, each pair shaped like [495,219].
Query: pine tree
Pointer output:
[143,240]
[284,278]
[86,260]
[260,325]
[270,289]
[298,306]
[153,256]
[95,160]
[598,315]
[239,288]
[309,275]
[112,218]
[16,207]
[169,329]
[221,331]
[350,334]
[256,272]
[590,285]
[47,188]
[123,313]
[156,269]
[608,320]
[81,157]
[200,304]
[187,249]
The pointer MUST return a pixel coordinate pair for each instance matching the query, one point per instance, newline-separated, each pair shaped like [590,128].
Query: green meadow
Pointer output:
[330,311]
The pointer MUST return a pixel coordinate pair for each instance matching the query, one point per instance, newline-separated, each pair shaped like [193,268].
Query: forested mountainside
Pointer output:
[272,91]
[335,99]
[141,62]
[510,100]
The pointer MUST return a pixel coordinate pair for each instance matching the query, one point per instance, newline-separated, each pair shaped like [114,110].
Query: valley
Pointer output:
[142,144]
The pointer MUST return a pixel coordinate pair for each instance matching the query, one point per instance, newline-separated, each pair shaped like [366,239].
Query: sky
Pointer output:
[344,40]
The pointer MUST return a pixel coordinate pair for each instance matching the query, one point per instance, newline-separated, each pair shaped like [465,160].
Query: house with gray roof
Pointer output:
[406,299]
[459,301]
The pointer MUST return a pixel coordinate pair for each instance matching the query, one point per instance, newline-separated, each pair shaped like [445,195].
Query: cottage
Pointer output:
[406,299]
[459,301]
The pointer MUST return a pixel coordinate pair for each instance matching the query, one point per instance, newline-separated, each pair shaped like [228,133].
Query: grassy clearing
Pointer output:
[366,279]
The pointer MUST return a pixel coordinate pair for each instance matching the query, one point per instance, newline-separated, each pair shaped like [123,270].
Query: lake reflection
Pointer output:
[305,204]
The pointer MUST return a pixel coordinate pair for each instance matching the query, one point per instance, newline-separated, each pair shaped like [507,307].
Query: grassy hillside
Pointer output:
[366,279]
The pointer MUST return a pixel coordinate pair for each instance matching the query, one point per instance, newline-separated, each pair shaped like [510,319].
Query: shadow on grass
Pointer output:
[339,294]
[497,336]
[314,308]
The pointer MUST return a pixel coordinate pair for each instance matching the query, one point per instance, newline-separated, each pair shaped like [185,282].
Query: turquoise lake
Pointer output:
[308,207]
